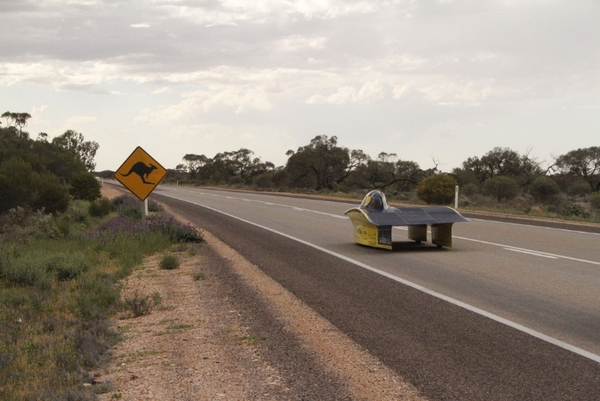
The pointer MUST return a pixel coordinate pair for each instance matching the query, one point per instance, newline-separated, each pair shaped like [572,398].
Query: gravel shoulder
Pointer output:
[225,331]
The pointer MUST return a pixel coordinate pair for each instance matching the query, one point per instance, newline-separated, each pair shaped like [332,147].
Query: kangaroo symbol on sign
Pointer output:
[142,170]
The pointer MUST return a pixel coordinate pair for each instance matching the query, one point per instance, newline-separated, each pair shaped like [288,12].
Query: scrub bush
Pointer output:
[578,188]
[594,200]
[128,206]
[22,186]
[21,225]
[26,271]
[571,209]
[470,189]
[438,189]
[68,266]
[140,305]
[50,194]
[100,207]
[169,262]
[78,211]
[501,188]
[85,186]
[544,189]
[173,229]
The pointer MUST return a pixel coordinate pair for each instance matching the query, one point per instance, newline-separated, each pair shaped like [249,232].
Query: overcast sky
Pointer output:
[434,81]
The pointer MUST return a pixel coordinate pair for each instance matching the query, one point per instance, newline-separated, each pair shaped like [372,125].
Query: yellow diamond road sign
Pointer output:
[140,173]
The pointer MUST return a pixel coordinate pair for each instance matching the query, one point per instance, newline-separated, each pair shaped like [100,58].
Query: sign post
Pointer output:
[140,174]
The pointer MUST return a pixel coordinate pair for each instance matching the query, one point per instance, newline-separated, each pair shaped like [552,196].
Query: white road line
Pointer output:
[524,250]
[418,287]
[531,253]
[534,226]
[296,208]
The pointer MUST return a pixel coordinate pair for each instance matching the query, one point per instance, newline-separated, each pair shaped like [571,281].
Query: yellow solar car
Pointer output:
[374,218]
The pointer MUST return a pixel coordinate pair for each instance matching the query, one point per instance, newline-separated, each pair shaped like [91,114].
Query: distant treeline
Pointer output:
[501,178]
[323,165]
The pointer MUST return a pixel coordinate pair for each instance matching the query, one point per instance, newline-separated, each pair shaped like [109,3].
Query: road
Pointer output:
[510,312]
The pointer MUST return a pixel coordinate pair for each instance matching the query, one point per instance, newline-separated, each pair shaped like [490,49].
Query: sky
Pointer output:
[432,81]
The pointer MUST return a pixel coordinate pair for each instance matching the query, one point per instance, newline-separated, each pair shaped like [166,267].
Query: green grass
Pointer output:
[59,285]
[179,248]
[169,262]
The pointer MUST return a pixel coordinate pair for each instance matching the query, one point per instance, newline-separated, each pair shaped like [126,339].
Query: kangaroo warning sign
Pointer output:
[140,173]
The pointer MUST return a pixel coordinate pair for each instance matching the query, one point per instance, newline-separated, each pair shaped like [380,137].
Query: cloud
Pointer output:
[38,109]
[239,100]
[68,76]
[369,91]
[299,42]
[75,121]
[162,90]
[306,8]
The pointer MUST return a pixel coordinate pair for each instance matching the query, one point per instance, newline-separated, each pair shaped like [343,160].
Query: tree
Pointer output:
[83,150]
[465,177]
[409,175]
[503,162]
[438,189]
[59,161]
[226,167]
[193,163]
[584,163]
[18,121]
[42,137]
[322,164]
[501,187]
[385,172]
[240,164]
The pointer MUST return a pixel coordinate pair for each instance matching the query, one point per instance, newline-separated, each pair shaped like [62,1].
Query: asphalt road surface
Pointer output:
[511,312]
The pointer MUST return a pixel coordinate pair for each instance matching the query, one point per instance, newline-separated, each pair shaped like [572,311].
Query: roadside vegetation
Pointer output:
[63,251]
[59,285]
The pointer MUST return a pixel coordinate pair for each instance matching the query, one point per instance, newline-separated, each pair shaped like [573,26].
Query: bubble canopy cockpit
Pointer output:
[375,200]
